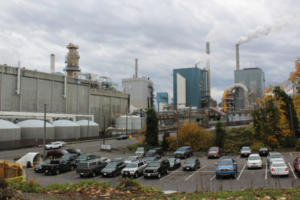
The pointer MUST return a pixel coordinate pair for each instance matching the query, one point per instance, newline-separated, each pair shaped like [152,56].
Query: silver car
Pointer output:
[134,169]
[254,161]
[273,157]
[279,169]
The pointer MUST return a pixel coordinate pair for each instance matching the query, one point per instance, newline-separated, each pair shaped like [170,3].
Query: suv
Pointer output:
[226,167]
[157,168]
[155,152]
[183,152]
[90,168]
[140,152]
[245,151]
[134,169]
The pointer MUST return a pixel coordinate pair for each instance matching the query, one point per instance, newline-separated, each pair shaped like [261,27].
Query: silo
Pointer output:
[136,122]
[10,135]
[88,129]
[66,130]
[32,132]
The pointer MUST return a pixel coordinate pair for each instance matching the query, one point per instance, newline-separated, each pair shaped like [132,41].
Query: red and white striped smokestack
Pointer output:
[237,56]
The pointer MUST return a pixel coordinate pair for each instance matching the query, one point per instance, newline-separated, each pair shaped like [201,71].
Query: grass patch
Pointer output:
[25,186]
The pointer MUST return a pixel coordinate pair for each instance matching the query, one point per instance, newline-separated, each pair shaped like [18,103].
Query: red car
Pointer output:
[296,165]
[214,152]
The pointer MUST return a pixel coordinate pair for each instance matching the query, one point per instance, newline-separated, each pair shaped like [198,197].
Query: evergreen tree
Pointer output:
[165,144]
[152,128]
[220,134]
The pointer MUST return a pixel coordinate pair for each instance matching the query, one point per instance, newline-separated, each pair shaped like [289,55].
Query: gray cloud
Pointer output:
[163,34]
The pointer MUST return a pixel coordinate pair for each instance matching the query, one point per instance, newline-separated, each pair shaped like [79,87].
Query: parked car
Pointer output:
[254,161]
[122,137]
[279,169]
[74,151]
[53,145]
[85,157]
[134,169]
[213,152]
[296,164]
[274,157]
[226,167]
[140,152]
[154,152]
[191,164]
[151,159]
[113,168]
[183,152]
[63,164]
[58,153]
[38,168]
[174,163]
[157,168]
[263,151]
[130,159]
[245,151]
[105,159]
[90,168]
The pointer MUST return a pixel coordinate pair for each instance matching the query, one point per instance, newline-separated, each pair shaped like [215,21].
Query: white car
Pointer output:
[274,157]
[279,169]
[254,161]
[245,151]
[134,169]
[130,159]
[54,145]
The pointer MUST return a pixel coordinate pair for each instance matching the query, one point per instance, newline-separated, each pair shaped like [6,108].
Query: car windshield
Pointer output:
[190,161]
[254,158]
[83,165]
[278,165]
[263,149]
[54,162]
[213,149]
[245,148]
[132,165]
[82,157]
[111,165]
[140,149]
[131,158]
[275,155]
[225,162]
[171,160]
[154,164]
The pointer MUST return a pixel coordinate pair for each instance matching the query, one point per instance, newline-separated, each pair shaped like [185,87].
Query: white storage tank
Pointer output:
[88,129]
[10,135]
[32,132]
[66,130]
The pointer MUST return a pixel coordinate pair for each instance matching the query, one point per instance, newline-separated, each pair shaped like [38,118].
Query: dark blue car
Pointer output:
[226,167]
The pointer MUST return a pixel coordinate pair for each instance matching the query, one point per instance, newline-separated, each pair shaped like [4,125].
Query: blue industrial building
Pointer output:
[162,97]
[190,87]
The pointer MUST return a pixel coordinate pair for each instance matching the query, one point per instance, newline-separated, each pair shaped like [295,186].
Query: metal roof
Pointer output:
[87,123]
[33,123]
[4,124]
[63,122]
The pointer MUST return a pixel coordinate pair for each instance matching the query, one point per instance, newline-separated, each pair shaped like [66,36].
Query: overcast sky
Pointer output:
[162,34]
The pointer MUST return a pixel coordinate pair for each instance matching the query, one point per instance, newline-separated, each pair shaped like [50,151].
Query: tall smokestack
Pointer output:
[52,63]
[136,68]
[208,69]
[237,56]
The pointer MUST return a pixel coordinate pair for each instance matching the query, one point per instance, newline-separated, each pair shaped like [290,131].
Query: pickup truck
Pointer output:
[63,164]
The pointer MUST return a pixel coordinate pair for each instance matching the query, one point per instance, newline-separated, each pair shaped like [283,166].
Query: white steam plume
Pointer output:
[260,31]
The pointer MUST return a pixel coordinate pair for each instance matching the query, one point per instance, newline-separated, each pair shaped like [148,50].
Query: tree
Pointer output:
[220,134]
[165,144]
[190,134]
[288,109]
[152,128]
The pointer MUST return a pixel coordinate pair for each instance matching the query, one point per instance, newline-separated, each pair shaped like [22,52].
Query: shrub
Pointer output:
[129,184]
[257,145]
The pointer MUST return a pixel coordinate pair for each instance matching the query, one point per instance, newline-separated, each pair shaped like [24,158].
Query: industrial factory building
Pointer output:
[190,87]
[23,94]
[140,90]
[162,99]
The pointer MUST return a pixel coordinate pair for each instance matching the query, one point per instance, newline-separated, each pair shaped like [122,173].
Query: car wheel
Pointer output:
[234,176]
[72,168]
[166,172]
[57,172]
[159,175]
[136,175]
[94,174]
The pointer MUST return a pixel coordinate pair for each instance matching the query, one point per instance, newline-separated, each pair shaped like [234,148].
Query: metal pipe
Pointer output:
[136,68]
[52,63]
[19,79]
[237,56]
[65,88]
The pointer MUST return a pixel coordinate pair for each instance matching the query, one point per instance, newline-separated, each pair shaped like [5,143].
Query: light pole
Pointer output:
[44,138]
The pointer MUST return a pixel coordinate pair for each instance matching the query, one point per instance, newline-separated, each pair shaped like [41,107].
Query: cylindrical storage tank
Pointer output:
[66,130]
[88,129]
[136,122]
[10,135]
[32,132]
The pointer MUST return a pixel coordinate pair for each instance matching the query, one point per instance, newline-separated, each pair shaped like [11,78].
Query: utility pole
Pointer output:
[44,138]
[190,114]
[104,127]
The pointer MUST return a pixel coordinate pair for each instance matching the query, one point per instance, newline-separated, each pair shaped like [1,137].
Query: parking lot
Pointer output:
[179,180]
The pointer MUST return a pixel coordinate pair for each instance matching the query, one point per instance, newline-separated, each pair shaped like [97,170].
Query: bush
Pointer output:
[30,187]
[129,184]
[298,145]
[257,145]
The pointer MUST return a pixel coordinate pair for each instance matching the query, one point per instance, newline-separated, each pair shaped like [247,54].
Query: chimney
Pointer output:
[208,69]
[237,57]
[52,63]
[136,68]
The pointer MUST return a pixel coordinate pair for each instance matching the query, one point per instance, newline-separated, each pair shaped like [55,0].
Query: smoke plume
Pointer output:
[260,31]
